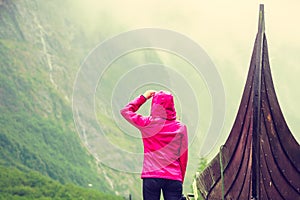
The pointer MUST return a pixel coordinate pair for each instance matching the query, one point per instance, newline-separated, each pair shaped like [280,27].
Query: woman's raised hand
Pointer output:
[149,93]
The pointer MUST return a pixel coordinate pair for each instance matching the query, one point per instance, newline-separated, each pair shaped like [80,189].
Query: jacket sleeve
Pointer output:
[129,112]
[183,159]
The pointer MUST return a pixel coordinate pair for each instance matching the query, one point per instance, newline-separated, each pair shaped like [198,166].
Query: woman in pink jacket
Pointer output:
[165,145]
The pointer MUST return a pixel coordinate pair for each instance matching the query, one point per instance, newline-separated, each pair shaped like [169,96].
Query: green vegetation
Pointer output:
[41,156]
[36,124]
[202,165]
[15,185]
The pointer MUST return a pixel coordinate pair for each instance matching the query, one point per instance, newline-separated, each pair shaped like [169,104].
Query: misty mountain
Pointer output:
[43,47]
[40,52]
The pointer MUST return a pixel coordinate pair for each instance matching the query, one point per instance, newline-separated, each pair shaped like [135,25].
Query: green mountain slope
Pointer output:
[36,125]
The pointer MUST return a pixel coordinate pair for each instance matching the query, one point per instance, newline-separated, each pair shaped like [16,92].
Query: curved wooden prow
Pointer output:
[260,158]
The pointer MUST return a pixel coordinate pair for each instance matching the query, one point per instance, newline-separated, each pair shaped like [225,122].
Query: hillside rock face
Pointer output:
[41,47]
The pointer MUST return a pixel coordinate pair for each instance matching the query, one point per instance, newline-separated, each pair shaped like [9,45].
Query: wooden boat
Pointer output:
[260,158]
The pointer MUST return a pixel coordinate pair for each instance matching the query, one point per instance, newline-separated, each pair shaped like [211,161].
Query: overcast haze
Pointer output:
[226,30]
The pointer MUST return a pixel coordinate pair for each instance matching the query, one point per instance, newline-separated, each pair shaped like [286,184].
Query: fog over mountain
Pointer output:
[67,67]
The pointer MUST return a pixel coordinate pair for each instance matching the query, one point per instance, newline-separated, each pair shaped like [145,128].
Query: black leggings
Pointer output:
[172,189]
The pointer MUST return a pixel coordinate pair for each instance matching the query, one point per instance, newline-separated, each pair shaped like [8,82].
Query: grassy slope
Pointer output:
[15,184]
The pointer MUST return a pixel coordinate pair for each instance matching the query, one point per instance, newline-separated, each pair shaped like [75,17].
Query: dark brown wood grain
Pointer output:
[261,158]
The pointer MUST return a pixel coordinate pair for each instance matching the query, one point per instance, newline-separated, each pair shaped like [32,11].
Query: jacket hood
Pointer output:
[163,105]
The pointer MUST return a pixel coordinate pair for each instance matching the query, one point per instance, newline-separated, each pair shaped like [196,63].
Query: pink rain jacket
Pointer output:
[164,138]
